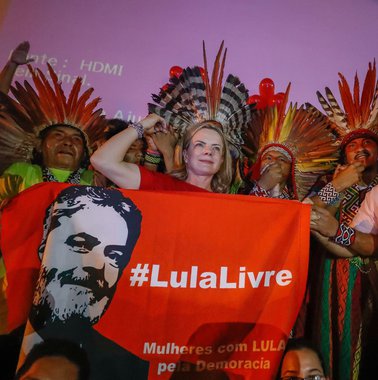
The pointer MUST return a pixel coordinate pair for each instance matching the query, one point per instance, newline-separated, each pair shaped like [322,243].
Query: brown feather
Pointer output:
[373,117]
[356,96]
[214,83]
[28,100]
[59,94]
[206,77]
[368,92]
[72,98]
[346,98]
[219,85]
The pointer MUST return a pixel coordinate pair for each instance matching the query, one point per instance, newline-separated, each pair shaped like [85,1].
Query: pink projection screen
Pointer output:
[125,48]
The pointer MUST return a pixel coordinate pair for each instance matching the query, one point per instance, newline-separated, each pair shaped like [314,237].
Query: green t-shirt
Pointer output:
[21,175]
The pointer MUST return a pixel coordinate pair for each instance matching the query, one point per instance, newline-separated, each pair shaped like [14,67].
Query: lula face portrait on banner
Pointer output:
[81,276]
[89,235]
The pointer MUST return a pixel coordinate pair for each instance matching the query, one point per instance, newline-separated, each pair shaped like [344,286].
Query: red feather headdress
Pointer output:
[22,120]
[360,115]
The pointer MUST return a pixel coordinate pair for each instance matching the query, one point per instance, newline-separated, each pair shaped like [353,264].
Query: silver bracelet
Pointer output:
[139,128]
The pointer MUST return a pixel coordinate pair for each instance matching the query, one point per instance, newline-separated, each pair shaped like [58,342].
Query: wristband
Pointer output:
[328,194]
[139,129]
[152,158]
[152,152]
[345,235]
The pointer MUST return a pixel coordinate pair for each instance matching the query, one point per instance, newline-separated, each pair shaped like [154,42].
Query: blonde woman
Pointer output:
[204,159]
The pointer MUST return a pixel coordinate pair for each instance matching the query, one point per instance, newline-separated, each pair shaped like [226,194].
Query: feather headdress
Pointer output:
[301,134]
[22,120]
[194,97]
[360,115]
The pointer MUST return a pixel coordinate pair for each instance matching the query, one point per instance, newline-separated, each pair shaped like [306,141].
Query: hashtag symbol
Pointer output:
[139,275]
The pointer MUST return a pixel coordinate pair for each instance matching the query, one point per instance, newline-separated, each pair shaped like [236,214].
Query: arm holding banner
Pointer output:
[326,226]
[108,159]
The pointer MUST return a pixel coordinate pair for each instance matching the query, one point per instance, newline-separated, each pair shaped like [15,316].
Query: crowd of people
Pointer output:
[213,140]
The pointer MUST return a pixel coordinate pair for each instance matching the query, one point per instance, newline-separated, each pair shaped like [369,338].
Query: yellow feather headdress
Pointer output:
[304,134]
[34,110]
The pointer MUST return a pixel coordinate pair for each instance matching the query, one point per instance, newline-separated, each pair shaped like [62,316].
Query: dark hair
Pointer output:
[57,347]
[359,133]
[100,196]
[115,126]
[301,343]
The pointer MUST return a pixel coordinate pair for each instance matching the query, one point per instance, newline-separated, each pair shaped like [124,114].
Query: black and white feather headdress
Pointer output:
[194,97]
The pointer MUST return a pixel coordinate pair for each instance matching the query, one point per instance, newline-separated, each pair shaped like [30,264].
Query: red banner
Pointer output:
[212,286]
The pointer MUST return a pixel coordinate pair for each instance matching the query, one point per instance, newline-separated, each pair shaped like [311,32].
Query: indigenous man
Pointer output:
[344,287]
[293,149]
[46,137]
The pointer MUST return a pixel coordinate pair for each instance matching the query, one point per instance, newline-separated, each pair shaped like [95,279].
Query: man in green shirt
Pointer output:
[46,136]
[63,157]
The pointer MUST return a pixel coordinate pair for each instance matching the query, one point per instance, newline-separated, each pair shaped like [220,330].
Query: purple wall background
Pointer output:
[305,42]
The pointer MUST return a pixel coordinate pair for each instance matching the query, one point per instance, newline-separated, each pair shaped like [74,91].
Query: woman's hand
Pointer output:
[165,142]
[153,123]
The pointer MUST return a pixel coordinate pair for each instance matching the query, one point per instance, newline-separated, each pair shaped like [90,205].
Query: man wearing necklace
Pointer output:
[46,137]
[342,298]
[62,155]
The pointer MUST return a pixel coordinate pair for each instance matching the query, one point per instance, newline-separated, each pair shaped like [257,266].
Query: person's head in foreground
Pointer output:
[55,359]
[301,361]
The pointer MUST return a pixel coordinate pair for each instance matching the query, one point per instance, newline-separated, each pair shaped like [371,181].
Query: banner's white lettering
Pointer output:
[151,274]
